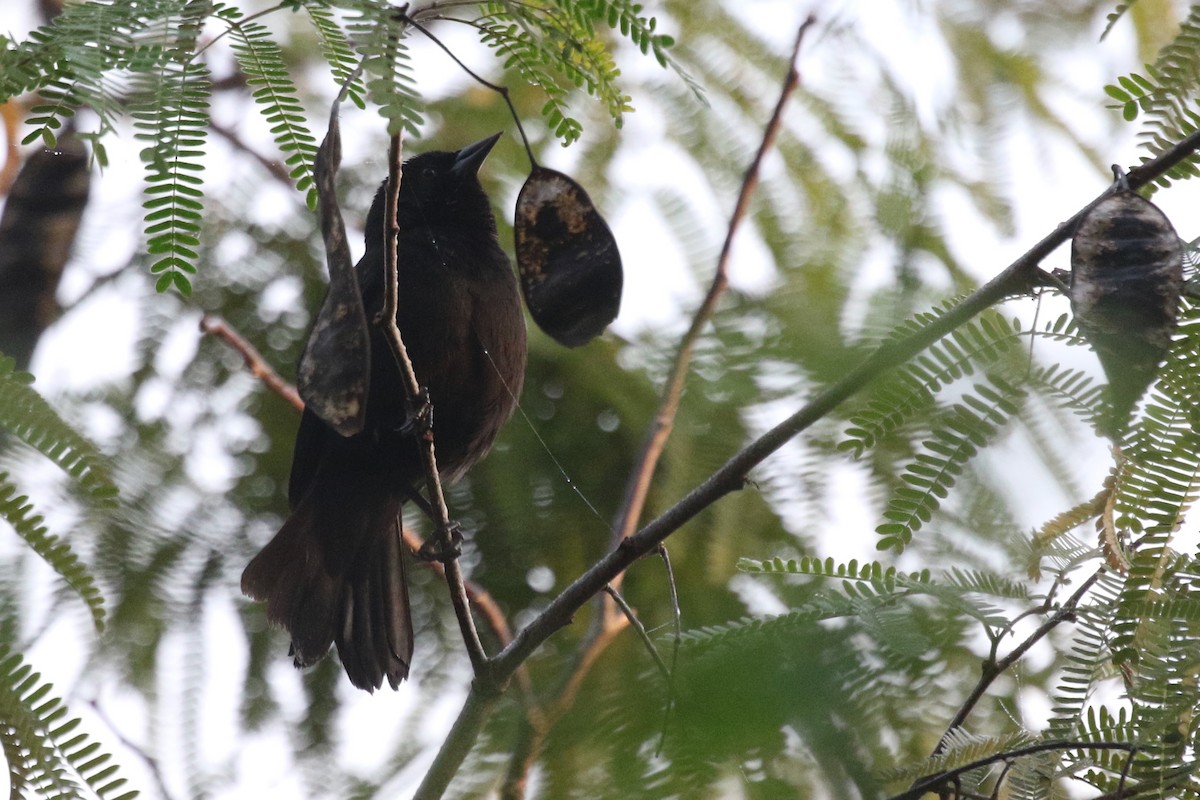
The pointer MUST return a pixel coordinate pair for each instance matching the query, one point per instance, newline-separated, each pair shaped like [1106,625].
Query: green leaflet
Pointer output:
[48,755]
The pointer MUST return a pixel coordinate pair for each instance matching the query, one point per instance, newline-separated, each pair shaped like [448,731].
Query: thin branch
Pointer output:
[932,782]
[150,761]
[995,795]
[1125,770]
[664,420]
[274,168]
[641,631]
[521,758]
[11,113]
[1120,793]
[495,87]
[676,641]
[475,712]
[438,6]
[387,322]
[676,612]
[232,24]
[1017,278]
[668,673]
[531,733]
[608,621]
[993,668]
[259,368]
[491,612]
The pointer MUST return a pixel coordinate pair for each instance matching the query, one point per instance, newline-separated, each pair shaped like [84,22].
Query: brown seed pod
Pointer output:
[1126,278]
[568,259]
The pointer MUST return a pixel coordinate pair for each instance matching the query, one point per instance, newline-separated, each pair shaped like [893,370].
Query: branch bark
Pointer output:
[609,621]
[437,500]
[1020,276]
[993,668]
[932,782]
[258,366]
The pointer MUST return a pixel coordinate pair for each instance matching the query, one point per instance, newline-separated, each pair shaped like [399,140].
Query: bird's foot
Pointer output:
[443,546]
[418,419]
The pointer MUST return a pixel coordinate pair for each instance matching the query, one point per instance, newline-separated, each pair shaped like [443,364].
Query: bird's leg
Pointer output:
[418,422]
[433,549]
[1058,279]
[418,415]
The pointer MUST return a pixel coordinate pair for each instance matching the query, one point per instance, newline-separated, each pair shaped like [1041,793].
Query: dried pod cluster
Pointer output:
[1126,279]
[568,259]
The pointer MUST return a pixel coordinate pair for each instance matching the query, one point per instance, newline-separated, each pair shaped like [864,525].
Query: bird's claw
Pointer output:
[443,547]
[418,419]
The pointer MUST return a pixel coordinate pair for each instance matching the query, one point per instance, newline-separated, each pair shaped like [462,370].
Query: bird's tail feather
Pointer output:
[335,574]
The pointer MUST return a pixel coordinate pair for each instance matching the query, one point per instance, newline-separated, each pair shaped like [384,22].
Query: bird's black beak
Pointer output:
[468,160]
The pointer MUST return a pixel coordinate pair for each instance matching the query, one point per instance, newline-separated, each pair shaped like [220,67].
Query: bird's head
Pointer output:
[438,188]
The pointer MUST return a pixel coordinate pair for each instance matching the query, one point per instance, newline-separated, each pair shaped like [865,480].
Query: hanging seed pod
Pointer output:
[1126,278]
[334,372]
[568,259]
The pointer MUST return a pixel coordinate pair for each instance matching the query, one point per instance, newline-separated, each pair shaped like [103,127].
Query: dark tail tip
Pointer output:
[340,580]
[375,636]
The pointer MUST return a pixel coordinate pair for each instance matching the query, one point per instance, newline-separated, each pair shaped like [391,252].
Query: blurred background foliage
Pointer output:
[925,145]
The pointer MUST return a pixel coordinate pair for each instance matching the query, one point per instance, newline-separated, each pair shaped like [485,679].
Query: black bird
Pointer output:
[334,574]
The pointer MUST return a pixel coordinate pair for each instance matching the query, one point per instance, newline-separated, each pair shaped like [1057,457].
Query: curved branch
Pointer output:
[993,667]
[664,419]
[258,366]
[608,621]
[930,783]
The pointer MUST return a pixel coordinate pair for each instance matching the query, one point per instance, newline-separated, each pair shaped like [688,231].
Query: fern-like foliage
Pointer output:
[30,418]
[1158,474]
[111,56]
[555,45]
[79,59]
[143,59]
[958,589]
[1072,389]
[47,754]
[961,749]
[887,619]
[378,33]
[1051,540]
[536,59]
[1085,661]
[1131,628]
[170,112]
[18,512]
[905,404]
[1141,627]
[1115,16]
[262,60]
[25,414]
[339,53]
[1166,95]
[912,386]
[959,436]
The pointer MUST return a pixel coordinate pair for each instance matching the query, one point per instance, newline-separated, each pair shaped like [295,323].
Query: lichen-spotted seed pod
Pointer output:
[568,259]
[1126,279]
